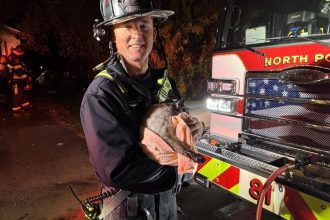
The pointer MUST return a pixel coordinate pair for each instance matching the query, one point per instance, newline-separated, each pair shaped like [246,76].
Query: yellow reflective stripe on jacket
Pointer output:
[162,94]
[20,77]
[105,74]
[24,76]
[15,67]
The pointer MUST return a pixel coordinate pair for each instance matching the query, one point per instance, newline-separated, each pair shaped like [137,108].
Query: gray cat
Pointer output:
[159,120]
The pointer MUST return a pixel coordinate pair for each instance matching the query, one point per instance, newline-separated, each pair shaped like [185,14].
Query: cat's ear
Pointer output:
[179,104]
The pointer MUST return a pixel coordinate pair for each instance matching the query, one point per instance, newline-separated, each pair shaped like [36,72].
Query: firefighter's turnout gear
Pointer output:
[19,80]
[111,113]
[121,102]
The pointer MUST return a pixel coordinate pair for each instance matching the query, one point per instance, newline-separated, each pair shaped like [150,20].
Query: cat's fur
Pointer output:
[159,120]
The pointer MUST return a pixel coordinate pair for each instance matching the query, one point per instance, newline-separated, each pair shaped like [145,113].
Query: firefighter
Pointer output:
[111,113]
[19,80]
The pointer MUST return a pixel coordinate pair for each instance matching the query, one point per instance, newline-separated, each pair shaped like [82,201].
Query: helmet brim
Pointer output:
[161,15]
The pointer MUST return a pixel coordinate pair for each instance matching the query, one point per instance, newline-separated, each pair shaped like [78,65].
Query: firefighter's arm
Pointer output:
[117,160]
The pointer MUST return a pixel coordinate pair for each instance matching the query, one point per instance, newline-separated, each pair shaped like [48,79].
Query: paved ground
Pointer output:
[39,157]
[41,152]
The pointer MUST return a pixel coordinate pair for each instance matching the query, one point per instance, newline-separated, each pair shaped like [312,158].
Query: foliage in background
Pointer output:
[62,30]
[189,40]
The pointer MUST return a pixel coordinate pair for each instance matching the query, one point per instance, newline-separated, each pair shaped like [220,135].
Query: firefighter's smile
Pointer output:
[136,45]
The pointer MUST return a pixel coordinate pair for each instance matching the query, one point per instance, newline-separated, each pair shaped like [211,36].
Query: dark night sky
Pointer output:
[60,28]
[14,12]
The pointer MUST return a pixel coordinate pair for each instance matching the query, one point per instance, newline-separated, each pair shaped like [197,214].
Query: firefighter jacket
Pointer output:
[17,71]
[111,121]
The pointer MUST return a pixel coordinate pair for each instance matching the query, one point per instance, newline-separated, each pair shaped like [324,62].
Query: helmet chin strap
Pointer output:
[113,52]
[112,49]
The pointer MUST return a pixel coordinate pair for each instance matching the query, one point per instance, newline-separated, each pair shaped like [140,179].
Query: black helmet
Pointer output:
[117,11]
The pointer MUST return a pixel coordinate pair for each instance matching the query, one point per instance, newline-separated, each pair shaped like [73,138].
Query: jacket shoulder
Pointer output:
[99,85]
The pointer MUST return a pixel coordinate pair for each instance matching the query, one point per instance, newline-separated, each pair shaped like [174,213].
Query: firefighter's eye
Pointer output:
[144,27]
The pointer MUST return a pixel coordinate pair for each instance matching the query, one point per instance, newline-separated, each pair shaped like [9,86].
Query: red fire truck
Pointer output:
[269,100]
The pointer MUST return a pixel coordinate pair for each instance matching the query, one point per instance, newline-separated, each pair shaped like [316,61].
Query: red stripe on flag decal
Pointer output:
[229,178]
[200,165]
[297,206]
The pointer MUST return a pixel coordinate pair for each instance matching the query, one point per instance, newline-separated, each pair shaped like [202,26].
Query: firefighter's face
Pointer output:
[134,39]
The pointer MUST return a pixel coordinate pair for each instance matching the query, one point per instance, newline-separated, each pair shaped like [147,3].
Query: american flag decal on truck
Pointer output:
[278,88]
[297,114]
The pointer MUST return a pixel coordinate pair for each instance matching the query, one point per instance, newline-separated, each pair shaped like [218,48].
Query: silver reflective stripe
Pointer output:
[148,215]
[111,204]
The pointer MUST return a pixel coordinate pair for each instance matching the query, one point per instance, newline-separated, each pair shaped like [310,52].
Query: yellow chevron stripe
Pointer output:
[213,168]
[320,208]
[285,213]
[235,189]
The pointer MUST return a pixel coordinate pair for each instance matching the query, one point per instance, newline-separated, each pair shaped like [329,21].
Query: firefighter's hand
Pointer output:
[195,125]
[180,180]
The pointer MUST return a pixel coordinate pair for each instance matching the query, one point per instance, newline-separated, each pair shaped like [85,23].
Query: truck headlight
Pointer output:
[224,105]
[212,104]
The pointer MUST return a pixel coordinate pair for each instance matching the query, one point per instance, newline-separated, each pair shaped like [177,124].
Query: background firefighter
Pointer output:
[19,78]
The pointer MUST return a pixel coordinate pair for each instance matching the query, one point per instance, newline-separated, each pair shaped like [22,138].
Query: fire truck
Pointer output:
[269,103]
